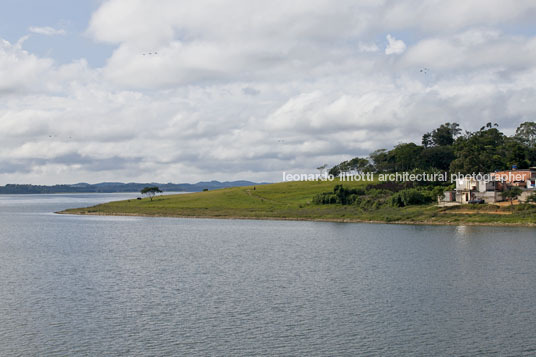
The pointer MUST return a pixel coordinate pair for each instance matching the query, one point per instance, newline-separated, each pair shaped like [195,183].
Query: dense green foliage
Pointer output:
[410,197]
[377,195]
[340,194]
[446,149]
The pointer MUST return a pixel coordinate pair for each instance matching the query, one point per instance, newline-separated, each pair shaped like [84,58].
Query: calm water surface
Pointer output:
[73,285]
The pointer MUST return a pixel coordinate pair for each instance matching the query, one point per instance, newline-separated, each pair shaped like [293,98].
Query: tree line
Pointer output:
[446,148]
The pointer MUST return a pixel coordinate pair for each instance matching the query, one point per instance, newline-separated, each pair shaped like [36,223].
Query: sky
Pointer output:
[187,91]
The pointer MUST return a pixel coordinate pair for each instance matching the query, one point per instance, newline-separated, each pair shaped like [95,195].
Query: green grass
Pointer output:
[292,200]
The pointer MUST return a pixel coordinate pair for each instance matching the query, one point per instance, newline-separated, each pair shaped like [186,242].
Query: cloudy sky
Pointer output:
[183,91]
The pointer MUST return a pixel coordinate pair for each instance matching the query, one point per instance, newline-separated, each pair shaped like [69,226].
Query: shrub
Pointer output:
[366,203]
[325,198]
[345,196]
[360,192]
[376,193]
[409,197]
[437,191]
[376,204]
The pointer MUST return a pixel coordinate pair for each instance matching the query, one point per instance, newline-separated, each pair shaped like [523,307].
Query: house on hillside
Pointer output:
[470,188]
[525,179]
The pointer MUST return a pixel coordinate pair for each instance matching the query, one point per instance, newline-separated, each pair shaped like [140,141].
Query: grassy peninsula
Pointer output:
[294,201]
[443,150]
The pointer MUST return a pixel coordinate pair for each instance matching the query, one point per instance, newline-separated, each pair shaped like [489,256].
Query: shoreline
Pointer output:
[298,219]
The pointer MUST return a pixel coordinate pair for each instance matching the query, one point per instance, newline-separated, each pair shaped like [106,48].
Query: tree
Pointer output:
[150,191]
[481,151]
[322,168]
[437,157]
[427,140]
[445,134]
[526,134]
[512,194]
[442,136]
[516,153]
[383,160]
[356,164]
[360,164]
[335,170]
[406,156]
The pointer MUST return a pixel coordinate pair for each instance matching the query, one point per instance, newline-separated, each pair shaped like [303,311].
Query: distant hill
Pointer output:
[111,187]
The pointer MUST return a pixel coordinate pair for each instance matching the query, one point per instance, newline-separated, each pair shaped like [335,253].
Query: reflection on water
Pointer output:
[461,231]
[93,285]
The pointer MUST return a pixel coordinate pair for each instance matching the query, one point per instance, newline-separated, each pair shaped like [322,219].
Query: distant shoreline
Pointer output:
[137,193]
[118,187]
[301,219]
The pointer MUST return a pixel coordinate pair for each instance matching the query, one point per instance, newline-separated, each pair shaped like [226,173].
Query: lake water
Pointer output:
[75,285]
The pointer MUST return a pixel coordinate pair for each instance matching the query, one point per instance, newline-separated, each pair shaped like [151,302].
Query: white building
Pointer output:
[469,188]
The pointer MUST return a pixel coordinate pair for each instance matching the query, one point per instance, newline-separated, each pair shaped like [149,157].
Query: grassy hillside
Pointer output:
[293,200]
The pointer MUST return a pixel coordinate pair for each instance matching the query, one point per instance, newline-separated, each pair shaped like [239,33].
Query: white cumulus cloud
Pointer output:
[367,47]
[46,30]
[394,46]
[247,89]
